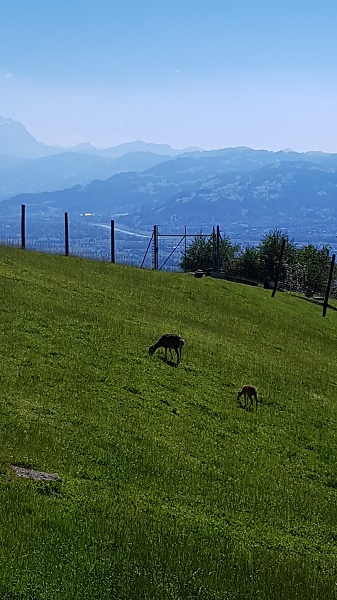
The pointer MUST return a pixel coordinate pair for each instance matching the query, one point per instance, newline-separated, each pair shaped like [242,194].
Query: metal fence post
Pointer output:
[155,247]
[23,226]
[112,241]
[66,234]
[327,291]
[218,248]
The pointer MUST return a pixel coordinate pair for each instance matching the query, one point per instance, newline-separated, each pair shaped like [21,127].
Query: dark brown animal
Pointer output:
[169,341]
[250,393]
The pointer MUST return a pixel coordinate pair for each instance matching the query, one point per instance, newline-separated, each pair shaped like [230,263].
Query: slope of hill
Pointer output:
[168,488]
[8,162]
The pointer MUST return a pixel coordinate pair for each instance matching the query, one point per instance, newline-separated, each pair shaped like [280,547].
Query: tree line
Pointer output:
[304,269]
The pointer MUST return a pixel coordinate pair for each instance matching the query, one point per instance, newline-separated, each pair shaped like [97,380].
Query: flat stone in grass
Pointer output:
[37,475]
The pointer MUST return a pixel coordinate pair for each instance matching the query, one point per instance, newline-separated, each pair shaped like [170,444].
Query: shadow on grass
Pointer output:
[170,363]
[313,301]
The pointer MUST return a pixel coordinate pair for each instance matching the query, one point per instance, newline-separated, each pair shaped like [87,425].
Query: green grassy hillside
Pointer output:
[169,489]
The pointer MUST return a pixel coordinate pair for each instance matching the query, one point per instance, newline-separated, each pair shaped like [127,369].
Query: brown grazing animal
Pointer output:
[249,392]
[169,341]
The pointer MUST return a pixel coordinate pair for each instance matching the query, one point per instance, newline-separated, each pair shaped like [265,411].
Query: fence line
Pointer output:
[77,237]
[105,253]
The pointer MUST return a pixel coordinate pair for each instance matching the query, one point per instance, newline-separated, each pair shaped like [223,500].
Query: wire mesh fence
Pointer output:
[92,237]
[10,232]
[88,237]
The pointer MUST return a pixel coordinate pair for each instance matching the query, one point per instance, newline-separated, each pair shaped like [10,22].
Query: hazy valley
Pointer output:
[243,190]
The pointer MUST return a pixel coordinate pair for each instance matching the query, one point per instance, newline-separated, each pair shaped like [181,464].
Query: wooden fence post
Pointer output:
[112,241]
[23,226]
[213,250]
[155,247]
[278,268]
[218,248]
[66,234]
[327,291]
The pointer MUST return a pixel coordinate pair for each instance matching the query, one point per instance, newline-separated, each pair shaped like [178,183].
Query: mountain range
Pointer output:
[236,187]
[29,166]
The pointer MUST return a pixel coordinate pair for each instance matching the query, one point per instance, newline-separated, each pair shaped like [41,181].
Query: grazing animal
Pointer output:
[249,392]
[169,341]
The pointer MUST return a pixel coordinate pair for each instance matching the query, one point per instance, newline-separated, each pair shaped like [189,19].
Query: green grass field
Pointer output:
[169,489]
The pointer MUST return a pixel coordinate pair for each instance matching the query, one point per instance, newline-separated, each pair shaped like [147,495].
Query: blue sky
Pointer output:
[207,73]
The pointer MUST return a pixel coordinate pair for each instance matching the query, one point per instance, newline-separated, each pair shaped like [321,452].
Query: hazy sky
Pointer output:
[208,73]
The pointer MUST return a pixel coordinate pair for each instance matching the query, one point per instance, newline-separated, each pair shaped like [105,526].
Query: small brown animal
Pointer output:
[169,341]
[249,392]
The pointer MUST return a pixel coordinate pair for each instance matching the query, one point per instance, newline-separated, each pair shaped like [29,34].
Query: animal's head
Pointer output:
[151,350]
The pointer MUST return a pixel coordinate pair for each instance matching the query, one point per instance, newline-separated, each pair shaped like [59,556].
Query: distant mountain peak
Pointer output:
[15,140]
[9,121]
[83,147]
[9,125]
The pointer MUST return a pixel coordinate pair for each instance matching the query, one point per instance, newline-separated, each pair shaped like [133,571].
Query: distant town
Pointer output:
[90,237]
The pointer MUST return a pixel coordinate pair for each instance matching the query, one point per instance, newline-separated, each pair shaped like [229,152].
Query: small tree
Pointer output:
[228,255]
[294,279]
[199,255]
[316,265]
[248,264]
[269,251]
